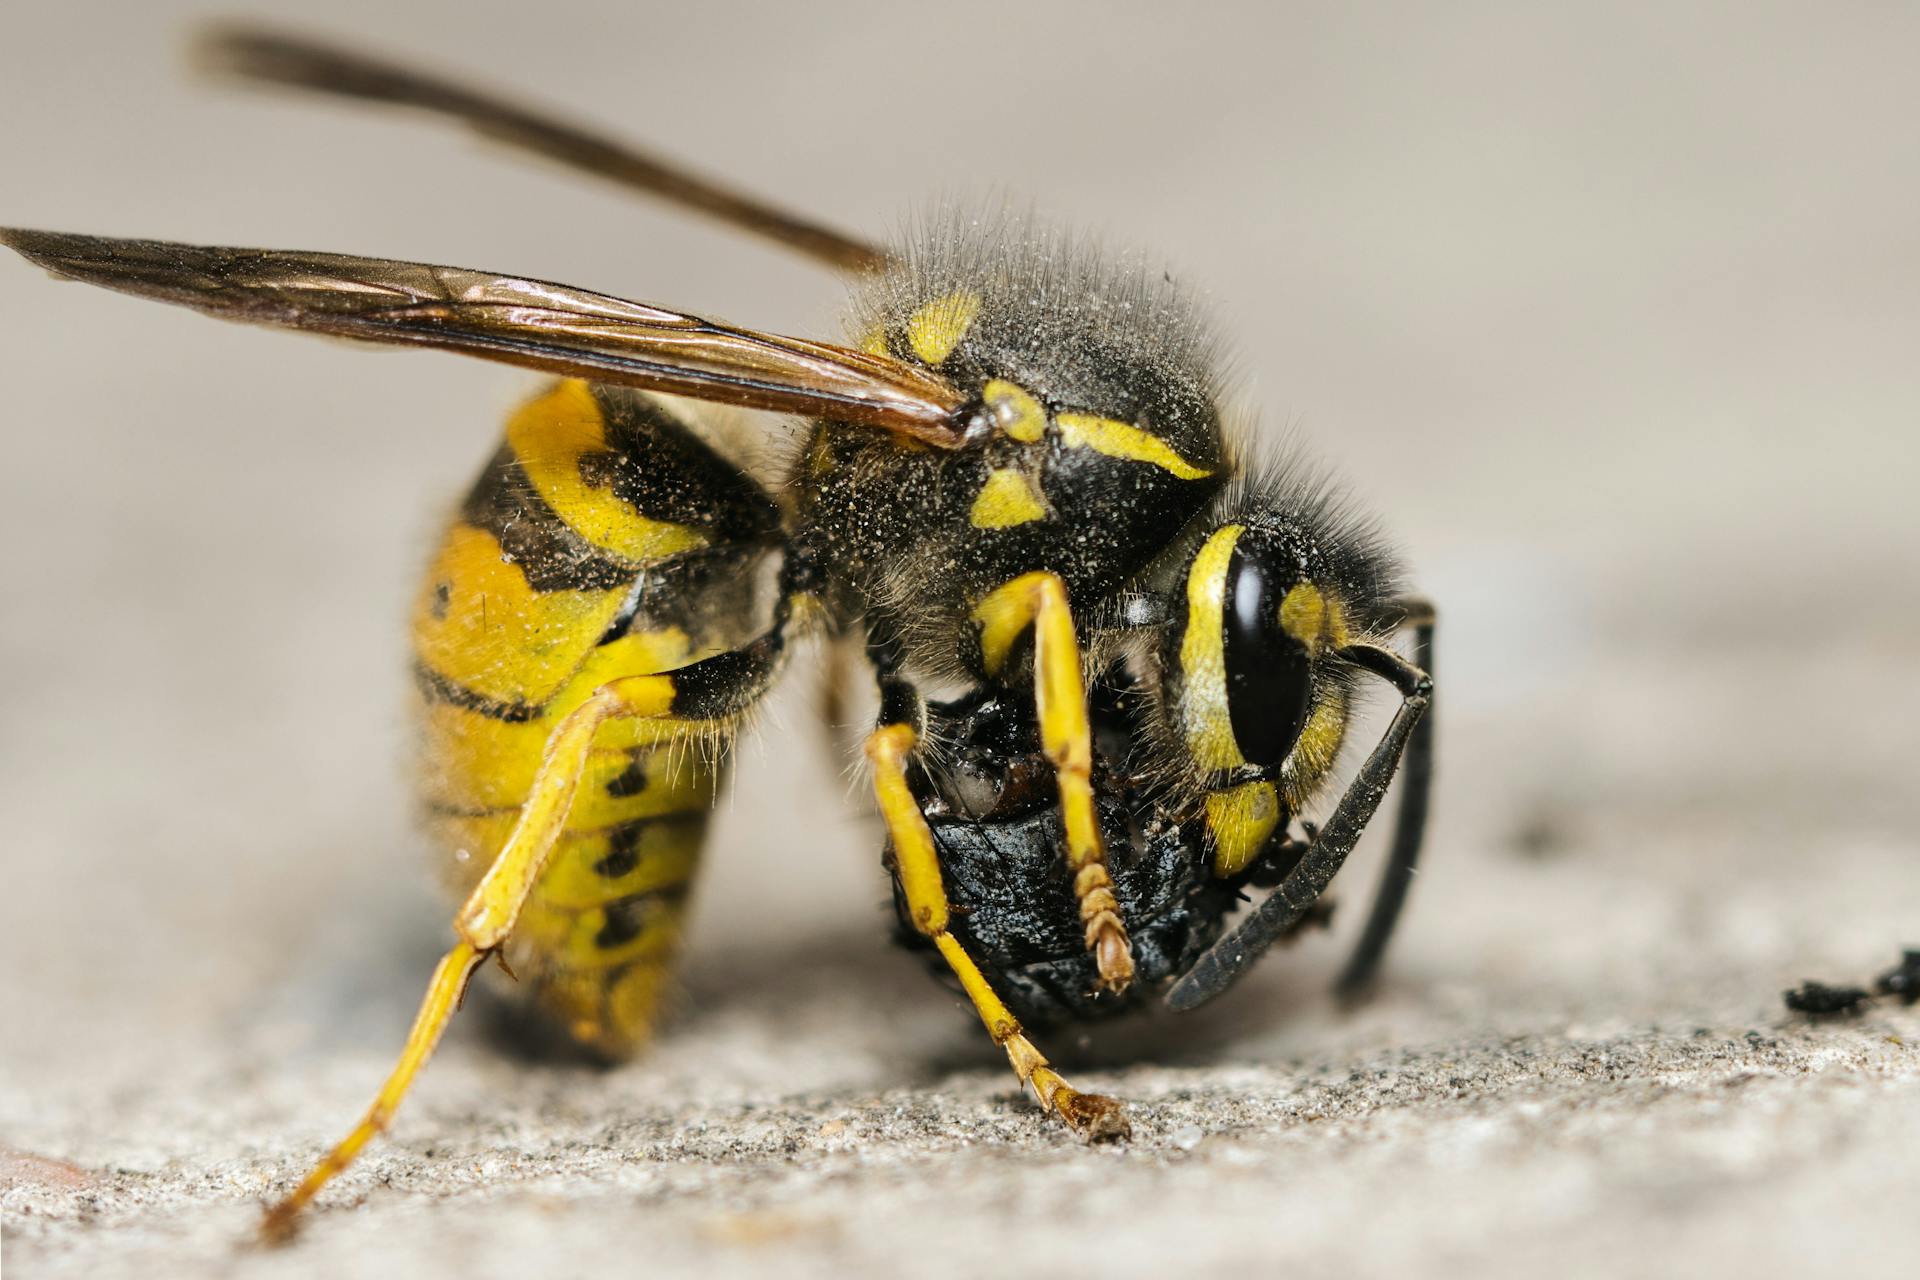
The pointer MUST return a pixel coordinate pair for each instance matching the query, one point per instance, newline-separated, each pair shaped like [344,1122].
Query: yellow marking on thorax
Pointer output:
[1203,658]
[1008,498]
[551,435]
[1119,439]
[1014,410]
[479,624]
[874,341]
[1241,819]
[937,327]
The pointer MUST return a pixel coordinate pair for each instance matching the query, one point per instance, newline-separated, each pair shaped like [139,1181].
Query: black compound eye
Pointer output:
[1269,673]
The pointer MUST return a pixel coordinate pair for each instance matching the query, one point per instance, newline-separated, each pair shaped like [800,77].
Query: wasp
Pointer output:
[1015,484]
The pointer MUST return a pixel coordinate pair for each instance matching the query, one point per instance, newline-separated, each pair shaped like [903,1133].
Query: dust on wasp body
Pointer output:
[1016,482]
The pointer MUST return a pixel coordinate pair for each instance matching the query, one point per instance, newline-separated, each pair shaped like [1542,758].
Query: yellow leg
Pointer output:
[489,914]
[1040,600]
[488,917]
[889,748]
[443,998]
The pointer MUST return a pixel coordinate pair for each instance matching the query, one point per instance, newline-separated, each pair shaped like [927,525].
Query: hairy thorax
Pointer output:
[1098,442]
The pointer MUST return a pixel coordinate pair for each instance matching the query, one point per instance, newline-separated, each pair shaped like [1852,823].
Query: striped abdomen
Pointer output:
[605,539]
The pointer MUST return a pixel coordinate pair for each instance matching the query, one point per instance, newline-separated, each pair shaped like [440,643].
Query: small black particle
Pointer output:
[1903,980]
[1818,1000]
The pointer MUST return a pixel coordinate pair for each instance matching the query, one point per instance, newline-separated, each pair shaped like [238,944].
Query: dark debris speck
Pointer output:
[1902,981]
[1818,1000]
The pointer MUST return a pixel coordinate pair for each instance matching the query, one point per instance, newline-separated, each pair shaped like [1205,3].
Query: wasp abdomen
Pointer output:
[605,539]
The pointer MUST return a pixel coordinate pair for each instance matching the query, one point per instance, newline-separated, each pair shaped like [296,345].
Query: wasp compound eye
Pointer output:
[1269,668]
[1240,662]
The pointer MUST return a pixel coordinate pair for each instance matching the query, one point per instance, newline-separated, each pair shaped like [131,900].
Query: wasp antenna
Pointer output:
[1409,825]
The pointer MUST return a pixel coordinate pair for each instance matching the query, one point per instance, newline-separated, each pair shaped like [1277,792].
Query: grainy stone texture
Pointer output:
[1614,318]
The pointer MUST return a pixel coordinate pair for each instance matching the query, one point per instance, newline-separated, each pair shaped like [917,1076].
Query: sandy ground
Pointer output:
[1612,318]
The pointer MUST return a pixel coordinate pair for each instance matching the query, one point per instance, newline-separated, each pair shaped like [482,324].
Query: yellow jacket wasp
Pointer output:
[1015,482]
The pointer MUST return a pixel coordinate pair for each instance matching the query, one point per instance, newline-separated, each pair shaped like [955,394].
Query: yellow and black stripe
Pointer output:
[545,588]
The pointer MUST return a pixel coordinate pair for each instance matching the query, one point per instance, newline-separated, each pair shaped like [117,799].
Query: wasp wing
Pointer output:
[267,56]
[516,321]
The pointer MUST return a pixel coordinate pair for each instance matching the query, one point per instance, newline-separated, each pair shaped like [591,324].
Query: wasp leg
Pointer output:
[1066,736]
[444,992]
[704,696]
[889,748]
[1409,824]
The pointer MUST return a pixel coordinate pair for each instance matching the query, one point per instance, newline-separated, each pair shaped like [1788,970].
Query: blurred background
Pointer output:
[1611,314]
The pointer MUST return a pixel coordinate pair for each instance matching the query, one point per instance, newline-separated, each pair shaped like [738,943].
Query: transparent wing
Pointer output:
[515,321]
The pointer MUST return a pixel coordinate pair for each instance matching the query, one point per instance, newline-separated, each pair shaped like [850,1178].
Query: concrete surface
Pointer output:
[1612,314]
